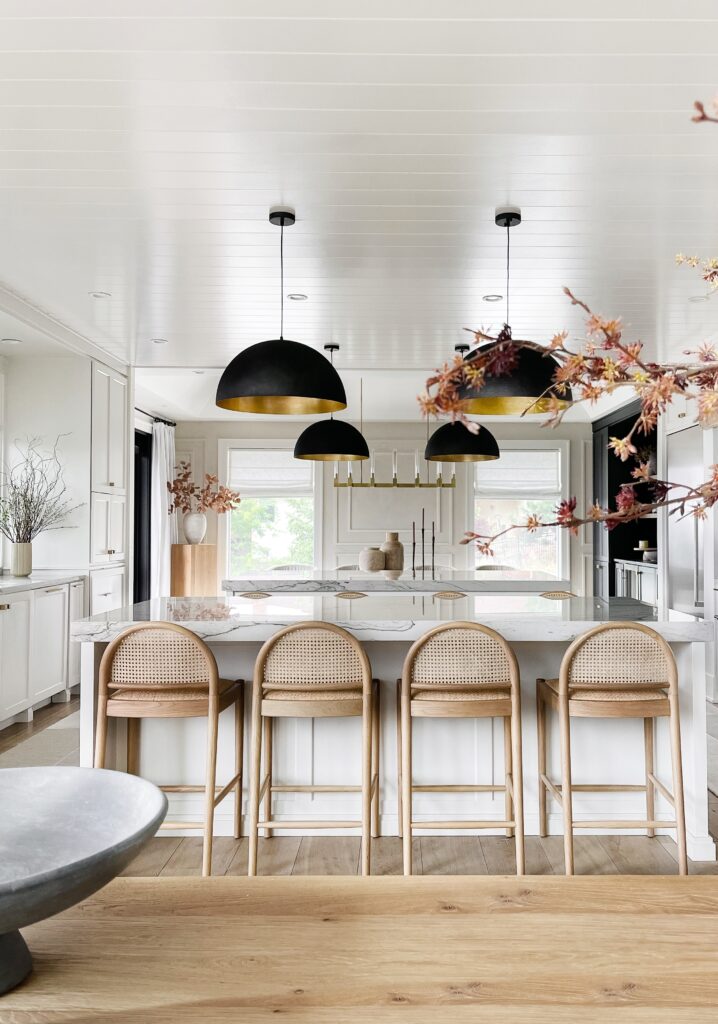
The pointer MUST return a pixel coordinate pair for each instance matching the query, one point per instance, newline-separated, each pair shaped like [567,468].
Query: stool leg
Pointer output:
[541,739]
[650,791]
[268,761]
[209,790]
[518,780]
[676,761]
[398,758]
[133,746]
[406,794]
[366,784]
[238,760]
[101,732]
[375,741]
[255,767]
[508,802]
[565,729]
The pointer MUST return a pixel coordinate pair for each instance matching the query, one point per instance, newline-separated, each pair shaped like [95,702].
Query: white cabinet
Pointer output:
[49,641]
[107,590]
[15,618]
[638,580]
[108,528]
[77,611]
[680,414]
[109,431]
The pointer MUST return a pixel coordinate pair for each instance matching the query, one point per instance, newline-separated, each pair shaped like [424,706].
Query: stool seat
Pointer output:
[309,695]
[607,694]
[461,695]
[171,693]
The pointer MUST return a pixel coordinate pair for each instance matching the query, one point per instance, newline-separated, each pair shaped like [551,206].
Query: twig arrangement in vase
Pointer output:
[604,363]
[195,501]
[33,500]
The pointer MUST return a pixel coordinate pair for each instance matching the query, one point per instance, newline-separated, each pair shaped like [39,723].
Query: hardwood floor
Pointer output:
[370,951]
[433,855]
[43,717]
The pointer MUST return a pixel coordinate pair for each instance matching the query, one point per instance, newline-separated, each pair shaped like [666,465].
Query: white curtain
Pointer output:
[163,525]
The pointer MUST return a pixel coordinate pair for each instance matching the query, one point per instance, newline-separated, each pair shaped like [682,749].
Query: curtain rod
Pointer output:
[155,419]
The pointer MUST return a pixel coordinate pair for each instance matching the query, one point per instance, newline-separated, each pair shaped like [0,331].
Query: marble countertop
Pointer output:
[37,580]
[404,617]
[488,580]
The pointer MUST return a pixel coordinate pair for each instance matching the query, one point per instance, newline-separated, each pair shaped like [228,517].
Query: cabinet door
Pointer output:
[100,440]
[648,586]
[15,616]
[48,660]
[600,579]
[109,431]
[116,528]
[77,611]
[100,528]
[106,590]
[117,436]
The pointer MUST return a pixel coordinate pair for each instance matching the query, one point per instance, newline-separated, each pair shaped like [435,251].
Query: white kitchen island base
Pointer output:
[324,751]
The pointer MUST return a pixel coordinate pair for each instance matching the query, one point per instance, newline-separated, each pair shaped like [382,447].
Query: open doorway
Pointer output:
[143,536]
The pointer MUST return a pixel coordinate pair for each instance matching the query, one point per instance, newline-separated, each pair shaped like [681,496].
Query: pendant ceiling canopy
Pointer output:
[452,442]
[527,388]
[280,376]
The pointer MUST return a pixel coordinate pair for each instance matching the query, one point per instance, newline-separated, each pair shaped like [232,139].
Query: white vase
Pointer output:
[194,525]
[21,559]
[371,560]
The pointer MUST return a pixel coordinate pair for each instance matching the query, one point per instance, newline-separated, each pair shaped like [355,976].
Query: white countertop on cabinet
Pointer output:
[37,580]
[518,617]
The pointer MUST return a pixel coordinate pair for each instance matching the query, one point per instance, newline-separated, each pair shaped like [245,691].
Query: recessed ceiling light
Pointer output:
[99,295]
[697,298]
[158,341]
[492,297]
[297,296]
[11,341]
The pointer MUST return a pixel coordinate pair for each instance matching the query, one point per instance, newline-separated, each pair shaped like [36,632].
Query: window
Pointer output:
[526,480]
[274,524]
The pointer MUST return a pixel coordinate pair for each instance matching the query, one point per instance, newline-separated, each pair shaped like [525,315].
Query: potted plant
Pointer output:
[33,500]
[195,501]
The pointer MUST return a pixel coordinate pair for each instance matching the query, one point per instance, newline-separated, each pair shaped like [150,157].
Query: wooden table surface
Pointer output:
[427,950]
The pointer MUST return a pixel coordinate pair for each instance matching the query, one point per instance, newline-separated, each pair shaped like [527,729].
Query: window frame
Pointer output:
[224,446]
[564,449]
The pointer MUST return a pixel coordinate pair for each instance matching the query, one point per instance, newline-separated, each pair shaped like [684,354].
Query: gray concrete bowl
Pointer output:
[65,833]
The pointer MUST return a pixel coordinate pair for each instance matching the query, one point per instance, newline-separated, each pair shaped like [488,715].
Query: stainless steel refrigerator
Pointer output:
[684,555]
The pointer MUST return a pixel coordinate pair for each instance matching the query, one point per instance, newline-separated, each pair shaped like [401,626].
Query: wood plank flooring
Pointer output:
[353,951]
[433,855]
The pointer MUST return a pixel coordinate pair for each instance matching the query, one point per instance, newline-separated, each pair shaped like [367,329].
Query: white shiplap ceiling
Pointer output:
[139,155]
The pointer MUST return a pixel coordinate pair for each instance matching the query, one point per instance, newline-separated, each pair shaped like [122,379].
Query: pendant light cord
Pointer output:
[508,265]
[281,275]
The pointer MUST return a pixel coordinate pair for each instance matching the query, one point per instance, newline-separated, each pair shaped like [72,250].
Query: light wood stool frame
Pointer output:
[221,694]
[265,710]
[566,702]
[507,706]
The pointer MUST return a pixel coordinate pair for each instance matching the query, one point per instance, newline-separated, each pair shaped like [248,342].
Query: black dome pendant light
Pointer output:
[529,387]
[281,376]
[331,440]
[452,442]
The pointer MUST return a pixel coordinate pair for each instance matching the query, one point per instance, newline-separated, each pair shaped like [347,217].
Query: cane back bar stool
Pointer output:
[616,670]
[163,670]
[313,670]
[462,670]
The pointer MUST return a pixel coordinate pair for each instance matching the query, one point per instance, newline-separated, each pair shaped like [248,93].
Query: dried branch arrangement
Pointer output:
[34,496]
[187,496]
[604,363]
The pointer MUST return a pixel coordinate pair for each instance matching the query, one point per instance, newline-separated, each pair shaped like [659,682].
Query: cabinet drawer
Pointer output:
[107,590]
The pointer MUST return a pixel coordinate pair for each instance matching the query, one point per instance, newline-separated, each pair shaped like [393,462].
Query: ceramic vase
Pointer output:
[21,560]
[393,552]
[194,525]
[371,560]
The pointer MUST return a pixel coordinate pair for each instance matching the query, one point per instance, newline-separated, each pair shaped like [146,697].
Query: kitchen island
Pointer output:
[449,751]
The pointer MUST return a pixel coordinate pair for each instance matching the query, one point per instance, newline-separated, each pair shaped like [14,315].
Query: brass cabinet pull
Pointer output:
[53,590]
[4,607]
[110,483]
[111,551]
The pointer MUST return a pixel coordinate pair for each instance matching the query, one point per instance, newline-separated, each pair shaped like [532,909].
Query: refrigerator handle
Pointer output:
[697,596]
